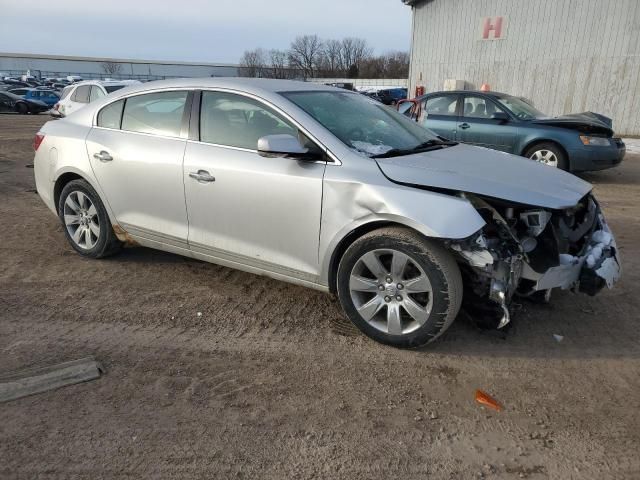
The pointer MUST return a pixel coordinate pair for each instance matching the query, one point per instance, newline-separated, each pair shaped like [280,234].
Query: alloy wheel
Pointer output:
[391,291]
[545,156]
[81,220]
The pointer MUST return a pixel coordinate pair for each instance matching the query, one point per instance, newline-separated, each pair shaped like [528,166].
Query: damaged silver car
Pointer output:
[324,188]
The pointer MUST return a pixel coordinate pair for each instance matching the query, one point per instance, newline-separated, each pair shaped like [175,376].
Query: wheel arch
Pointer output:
[70,174]
[347,240]
[60,183]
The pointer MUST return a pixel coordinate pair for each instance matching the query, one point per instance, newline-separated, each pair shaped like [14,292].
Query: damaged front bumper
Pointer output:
[529,252]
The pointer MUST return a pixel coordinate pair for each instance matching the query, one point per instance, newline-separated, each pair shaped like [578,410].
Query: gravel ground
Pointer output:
[270,381]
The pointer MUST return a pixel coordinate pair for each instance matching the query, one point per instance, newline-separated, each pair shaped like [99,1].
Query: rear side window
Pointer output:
[110,116]
[443,105]
[81,95]
[238,121]
[65,92]
[96,93]
[155,113]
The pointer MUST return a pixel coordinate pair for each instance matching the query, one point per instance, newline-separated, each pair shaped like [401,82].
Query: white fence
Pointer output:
[365,83]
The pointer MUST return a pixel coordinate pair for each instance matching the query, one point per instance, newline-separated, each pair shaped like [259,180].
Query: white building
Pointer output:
[91,67]
[566,56]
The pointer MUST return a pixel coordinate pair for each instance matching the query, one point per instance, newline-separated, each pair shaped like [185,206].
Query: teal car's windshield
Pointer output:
[361,123]
[520,108]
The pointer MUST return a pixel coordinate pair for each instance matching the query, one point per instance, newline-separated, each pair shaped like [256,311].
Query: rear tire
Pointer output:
[22,109]
[398,287]
[85,221]
[548,153]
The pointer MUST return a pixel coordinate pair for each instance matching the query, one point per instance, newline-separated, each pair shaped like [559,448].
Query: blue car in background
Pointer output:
[576,142]
[49,97]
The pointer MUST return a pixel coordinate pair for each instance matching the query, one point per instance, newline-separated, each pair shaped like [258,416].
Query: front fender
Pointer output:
[348,205]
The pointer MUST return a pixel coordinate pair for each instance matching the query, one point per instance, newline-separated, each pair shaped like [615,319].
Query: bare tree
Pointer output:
[252,63]
[277,67]
[353,52]
[111,68]
[331,54]
[397,64]
[305,54]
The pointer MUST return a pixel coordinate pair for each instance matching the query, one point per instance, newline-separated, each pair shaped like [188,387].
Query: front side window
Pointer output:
[520,108]
[361,123]
[238,121]
[96,93]
[81,95]
[110,116]
[478,107]
[156,113]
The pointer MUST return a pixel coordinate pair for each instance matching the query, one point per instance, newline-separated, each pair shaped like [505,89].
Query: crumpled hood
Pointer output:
[487,172]
[586,121]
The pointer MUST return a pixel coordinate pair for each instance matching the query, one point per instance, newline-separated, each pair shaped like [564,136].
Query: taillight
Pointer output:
[37,140]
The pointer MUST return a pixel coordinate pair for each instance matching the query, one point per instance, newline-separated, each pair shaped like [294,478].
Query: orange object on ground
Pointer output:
[485,399]
[485,87]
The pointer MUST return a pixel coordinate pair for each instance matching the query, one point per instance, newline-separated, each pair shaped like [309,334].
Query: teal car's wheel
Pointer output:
[549,154]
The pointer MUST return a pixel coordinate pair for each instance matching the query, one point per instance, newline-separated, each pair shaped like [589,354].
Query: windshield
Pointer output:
[361,123]
[520,108]
[113,88]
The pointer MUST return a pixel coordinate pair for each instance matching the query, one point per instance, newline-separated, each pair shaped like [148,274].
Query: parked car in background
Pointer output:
[325,188]
[16,83]
[13,103]
[74,78]
[576,142]
[391,96]
[20,91]
[77,95]
[48,96]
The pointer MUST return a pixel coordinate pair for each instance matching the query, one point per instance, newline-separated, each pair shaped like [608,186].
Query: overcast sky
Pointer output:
[194,30]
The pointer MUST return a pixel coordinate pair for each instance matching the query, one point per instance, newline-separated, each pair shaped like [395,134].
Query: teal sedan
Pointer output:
[576,142]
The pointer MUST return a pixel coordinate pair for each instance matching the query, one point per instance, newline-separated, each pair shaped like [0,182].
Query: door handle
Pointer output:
[202,176]
[103,156]
[464,126]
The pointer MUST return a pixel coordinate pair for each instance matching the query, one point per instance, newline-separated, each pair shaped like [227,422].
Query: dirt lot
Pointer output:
[270,381]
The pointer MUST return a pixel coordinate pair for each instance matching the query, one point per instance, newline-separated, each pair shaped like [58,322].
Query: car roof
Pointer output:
[105,82]
[469,92]
[254,85]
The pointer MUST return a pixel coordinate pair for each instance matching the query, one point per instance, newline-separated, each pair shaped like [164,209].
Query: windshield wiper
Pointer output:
[421,147]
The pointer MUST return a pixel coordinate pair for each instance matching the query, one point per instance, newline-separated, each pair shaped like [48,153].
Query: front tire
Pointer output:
[22,109]
[398,287]
[549,154]
[85,221]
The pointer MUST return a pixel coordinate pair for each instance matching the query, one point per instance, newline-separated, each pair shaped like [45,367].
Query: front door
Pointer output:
[245,208]
[137,158]
[476,127]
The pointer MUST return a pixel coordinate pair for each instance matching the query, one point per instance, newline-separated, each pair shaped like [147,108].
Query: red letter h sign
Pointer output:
[492,25]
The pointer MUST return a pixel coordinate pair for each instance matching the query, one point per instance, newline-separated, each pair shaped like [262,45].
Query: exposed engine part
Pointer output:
[535,220]
[532,251]
[528,244]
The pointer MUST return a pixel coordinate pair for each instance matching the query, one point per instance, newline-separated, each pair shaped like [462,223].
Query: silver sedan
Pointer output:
[325,188]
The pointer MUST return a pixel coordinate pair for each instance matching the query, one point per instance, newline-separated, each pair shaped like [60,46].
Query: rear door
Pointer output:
[439,113]
[476,126]
[136,151]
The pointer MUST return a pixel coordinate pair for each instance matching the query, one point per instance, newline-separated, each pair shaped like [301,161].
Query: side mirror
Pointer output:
[283,145]
[502,116]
